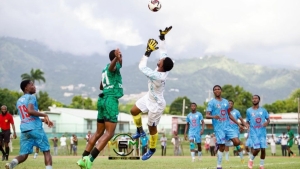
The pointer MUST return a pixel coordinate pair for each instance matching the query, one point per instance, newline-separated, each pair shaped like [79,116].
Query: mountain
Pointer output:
[68,75]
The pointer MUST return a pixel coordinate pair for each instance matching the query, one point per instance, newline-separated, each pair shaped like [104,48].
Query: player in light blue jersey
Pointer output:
[32,133]
[217,110]
[258,119]
[237,116]
[195,124]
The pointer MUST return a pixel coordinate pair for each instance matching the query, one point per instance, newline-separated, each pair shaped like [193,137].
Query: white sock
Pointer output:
[48,167]
[15,161]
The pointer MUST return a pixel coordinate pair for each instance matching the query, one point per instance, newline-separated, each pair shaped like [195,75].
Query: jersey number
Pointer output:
[105,80]
[24,111]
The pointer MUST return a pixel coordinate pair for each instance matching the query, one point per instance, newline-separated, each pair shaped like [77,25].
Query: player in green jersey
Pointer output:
[111,85]
[290,141]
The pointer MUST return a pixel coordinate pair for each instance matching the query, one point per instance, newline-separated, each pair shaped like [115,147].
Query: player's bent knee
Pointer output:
[135,110]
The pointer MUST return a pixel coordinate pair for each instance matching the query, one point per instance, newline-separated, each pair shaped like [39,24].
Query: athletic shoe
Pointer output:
[250,164]
[261,167]
[138,135]
[10,165]
[80,163]
[219,167]
[147,155]
[6,157]
[87,162]
[35,155]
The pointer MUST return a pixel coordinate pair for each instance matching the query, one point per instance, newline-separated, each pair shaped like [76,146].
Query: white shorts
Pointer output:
[154,109]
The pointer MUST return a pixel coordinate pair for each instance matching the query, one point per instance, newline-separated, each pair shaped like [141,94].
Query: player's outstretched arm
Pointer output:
[162,43]
[112,66]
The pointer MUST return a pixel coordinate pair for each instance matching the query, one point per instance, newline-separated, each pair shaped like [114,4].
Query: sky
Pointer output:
[265,32]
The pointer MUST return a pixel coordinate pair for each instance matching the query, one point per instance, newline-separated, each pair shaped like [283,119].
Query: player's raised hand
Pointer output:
[118,53]
[164,32]
[151,46]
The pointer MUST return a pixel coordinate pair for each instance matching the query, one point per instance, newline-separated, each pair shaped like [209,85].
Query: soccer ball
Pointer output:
[154,5]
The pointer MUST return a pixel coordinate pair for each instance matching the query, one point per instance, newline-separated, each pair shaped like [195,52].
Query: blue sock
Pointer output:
[252,157]
[262,162]
[219,159]
[227,155]
[199,153]
[241,155]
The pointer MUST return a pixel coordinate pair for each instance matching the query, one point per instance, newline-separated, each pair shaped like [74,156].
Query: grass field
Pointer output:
[157,162]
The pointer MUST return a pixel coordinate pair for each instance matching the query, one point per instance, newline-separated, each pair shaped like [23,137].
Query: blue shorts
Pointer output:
[32,138]
[249,142]
[195,137]
[258,142]
[229,143]
[226,134]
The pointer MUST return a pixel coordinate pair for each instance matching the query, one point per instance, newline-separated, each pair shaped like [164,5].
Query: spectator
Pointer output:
[163,142]
[284,139]
[63,144]
[207,141]
[212,144]
[273,145]
[88,136]
[55,140]
[176,143]
[74,145]
[71,143]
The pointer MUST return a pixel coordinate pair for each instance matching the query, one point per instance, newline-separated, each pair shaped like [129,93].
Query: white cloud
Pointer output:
[246,30]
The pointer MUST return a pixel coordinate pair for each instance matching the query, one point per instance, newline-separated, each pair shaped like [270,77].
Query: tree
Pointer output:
[242,99]
[9,98]
[44,101]
[176,105]
[79,102]
[34,75]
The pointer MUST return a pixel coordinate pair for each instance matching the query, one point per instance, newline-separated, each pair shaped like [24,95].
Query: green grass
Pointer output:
[157,162]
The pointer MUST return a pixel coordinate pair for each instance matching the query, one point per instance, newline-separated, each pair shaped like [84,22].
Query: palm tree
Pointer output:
[35,75]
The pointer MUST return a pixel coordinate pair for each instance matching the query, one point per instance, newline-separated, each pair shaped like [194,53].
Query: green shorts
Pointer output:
[108,109]
[290,143]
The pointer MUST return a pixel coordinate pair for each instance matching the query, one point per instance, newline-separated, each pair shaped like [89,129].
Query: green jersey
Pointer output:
[291,135]
[112,81]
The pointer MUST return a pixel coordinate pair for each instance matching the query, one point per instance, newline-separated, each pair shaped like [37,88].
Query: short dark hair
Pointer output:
[168,64]
[257,96]
[23,84]
[217,86]
[194,104]
[112,55]
[231,101]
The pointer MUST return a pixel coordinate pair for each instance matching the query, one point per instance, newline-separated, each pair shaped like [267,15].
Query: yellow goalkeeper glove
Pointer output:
[151,46]
[164,32]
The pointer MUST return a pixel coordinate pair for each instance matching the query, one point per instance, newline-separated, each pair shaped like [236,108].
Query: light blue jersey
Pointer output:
[236,114]
[222,129]
[194,120]
[258,133]
[219,108]
[28,122]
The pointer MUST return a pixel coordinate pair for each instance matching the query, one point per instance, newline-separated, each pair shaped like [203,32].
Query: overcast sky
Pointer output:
[254,31]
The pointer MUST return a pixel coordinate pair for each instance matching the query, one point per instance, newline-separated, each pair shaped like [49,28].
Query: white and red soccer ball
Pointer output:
[154,5]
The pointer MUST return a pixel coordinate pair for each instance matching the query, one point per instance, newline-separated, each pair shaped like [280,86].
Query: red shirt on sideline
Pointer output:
[6,120]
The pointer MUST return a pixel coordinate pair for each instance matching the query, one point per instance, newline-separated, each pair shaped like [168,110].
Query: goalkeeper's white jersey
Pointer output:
[157,80]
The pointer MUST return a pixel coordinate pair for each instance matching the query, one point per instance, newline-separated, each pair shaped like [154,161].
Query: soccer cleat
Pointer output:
[7,166]
[35,155]
[87,162]
[250,164]
[80,163]
[10,165]
[147,155]
[138,135]
[261,167]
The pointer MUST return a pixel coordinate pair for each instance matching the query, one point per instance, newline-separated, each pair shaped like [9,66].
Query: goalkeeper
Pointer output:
[153,102]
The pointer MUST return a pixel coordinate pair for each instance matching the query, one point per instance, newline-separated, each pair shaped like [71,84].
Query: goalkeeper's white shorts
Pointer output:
[154,109]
